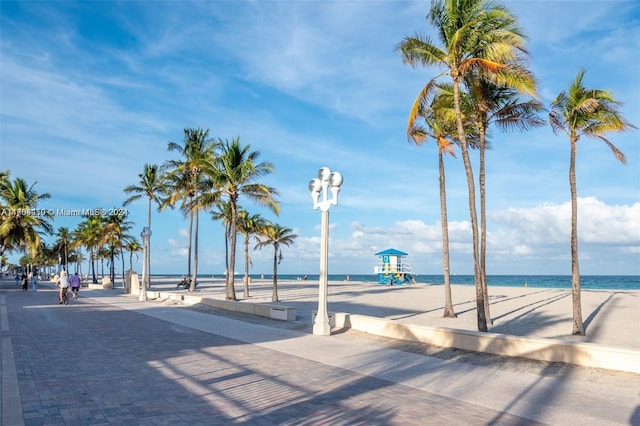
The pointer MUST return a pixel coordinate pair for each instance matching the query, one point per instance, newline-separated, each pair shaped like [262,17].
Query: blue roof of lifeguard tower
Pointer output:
[392,252]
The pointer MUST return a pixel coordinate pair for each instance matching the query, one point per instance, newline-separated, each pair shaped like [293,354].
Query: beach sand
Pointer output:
[611,317]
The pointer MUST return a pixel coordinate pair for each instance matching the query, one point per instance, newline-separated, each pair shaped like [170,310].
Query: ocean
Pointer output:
[587,282]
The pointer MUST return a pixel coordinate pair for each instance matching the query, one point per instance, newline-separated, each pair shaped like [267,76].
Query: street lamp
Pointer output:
[326,180]
[146,235]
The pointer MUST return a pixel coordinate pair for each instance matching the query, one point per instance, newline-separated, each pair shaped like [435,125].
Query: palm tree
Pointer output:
[114,235]
[594,113]
[248,225]
[19,229]
[102,254]
[436,108]
[76,246]
[88,233]
[185,180]
[492,104]
[475,34]
[153,187]
[277,236]
[178,183]
[62,245]
[222,212]
[238,170]
[133,247]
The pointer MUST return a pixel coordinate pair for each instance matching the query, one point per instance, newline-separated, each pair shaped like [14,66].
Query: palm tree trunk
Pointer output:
[124,278]
[148,283]
[189,253]
[274,294]
[79,266]
[480,312]
[246,266]
[93,266]
[483,228]
[578,325]
[227,236]
[231,292]
[195,254]
[448,304]
[112,266]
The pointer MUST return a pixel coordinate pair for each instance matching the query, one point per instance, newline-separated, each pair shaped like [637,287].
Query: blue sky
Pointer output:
[91,91]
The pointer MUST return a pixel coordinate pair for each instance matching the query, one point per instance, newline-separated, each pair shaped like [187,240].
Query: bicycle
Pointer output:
[65,296]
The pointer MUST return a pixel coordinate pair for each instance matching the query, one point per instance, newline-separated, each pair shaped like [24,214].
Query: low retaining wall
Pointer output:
[554,350]
[267,310]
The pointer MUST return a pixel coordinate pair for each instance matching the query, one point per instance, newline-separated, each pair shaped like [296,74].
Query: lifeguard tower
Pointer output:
[391,269]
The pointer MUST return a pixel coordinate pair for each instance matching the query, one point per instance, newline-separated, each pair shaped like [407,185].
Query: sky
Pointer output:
[91,91]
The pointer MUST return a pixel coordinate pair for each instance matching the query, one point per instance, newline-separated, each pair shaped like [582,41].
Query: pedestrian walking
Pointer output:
[25,282]
[75,285]
[34,282]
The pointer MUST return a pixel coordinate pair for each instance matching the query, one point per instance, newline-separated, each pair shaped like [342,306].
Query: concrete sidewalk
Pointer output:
[109,359]
[612,318]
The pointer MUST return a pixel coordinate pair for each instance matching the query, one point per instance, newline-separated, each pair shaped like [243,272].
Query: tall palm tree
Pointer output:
[185,180]
[474,34]
[249,225]
[493,104]
[19,230]
[152,186]
[238,172]
[436,109]
[576,112]
[277,236]
[178,183]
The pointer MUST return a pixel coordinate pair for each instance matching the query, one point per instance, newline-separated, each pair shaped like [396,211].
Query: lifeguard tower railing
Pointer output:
[392,268]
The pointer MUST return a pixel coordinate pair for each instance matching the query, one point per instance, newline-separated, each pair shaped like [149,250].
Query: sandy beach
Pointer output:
[611,317]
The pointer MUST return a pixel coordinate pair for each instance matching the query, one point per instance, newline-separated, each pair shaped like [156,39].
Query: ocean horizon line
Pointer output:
[588,282]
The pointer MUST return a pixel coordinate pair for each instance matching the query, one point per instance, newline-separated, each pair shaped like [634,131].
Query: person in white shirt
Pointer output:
[63,283]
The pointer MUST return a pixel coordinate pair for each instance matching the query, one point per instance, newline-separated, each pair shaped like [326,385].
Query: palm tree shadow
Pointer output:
[587,322]
[533,306]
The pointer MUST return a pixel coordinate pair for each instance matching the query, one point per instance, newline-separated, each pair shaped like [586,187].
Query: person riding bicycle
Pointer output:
[63,283]
[75,285]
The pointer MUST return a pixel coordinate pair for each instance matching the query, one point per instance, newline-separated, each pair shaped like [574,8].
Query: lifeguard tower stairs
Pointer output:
[391,270]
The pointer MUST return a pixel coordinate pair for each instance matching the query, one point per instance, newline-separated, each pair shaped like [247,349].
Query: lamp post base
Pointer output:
[321,328]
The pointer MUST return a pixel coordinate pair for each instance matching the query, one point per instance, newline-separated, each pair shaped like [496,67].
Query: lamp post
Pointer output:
[326,180]
[146,235]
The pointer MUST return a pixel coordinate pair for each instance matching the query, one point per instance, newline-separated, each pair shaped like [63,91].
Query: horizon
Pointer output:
[90,92]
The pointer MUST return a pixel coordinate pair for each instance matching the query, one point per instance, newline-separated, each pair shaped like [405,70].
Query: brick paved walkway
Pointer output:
[94,363]
[90,363]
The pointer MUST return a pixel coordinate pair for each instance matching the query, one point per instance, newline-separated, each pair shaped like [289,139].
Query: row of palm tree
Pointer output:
[212,176]
[24,224]
[482,52]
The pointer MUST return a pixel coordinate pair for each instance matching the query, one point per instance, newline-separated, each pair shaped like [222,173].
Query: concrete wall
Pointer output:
[267,310]
[554,350]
